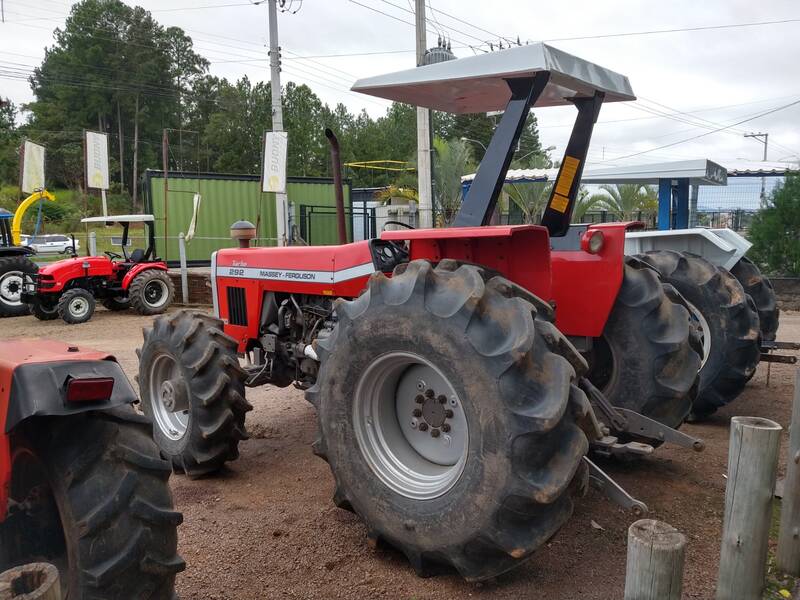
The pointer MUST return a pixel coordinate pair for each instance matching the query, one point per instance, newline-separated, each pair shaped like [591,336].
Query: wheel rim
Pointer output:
[11,288]
[410,425]
[168,397]
[155,293]
[699,324]
[79,307]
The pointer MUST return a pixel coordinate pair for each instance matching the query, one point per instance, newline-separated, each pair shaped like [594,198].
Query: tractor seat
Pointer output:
[136,256]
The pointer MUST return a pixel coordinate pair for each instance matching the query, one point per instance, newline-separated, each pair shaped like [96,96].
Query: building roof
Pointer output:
[477,83]
[739,168]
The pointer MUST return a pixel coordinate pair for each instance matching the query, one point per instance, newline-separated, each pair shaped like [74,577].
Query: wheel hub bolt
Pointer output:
[414,423]
[442,399]
[419,399]
[423,427]
[435,433]
[417,412]
[445,427]
[429,393]
[448,413]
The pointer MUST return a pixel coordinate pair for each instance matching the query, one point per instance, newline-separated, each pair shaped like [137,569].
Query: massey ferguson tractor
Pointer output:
[82,486]
[69,288]
[460,375]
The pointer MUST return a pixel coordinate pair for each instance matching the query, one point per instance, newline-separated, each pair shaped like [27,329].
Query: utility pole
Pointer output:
[424,186]
[764,141]
[281,205]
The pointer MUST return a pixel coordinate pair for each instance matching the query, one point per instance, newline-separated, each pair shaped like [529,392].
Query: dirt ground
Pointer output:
[266,527]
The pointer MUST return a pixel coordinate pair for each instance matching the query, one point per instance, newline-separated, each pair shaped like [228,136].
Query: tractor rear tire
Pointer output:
[118,303]
[449,417]
[12,272]
[151,292]
[44,310]
[91,496]
[759,288]
[76,306]
[192,390]
[645,361]
[728,321]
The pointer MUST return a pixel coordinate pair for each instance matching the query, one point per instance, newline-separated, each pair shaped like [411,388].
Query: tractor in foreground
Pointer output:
[460,375]
[82,485]
[70,288]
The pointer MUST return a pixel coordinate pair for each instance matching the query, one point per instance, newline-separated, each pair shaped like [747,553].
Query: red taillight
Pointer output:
[90,390]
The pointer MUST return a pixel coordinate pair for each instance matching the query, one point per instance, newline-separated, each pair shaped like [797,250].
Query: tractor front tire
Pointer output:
[192,390]
[12,273]
[76,306]
[44,309]
[645,361]
[448,414]
[151,292]
[726,318]
[759,288]
[90,494]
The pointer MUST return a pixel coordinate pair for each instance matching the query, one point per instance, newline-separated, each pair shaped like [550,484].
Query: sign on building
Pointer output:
[96,160]
[273,174]
[32,167]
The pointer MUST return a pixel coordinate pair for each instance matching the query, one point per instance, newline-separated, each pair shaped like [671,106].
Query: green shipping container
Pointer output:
[230,198]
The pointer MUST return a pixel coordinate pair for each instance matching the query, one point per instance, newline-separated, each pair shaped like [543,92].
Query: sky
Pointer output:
[702,80]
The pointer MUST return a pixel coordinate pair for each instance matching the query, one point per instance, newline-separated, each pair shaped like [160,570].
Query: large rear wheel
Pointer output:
[449,418]
[151,292]
[12,272]
[89,494]
[644,360]
[726,320]
[192,389]
[759,288]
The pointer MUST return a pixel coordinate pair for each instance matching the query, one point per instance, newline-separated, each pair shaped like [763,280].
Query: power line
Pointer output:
[702,135]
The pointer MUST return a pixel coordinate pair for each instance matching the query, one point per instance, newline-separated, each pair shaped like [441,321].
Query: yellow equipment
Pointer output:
[16,224]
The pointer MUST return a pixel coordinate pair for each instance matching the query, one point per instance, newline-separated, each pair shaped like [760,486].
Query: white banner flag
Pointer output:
[96,160]
[32,167]
[273,174]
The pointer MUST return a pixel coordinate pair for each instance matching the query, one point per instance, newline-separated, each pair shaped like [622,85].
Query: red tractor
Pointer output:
[82,485]
[460,375]
[69,288]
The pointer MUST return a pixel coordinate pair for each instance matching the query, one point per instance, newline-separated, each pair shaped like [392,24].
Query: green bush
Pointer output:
[775,231]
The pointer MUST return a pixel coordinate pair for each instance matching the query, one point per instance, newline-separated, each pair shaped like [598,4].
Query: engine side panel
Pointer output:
[63,271]
[585,286]
[243,275]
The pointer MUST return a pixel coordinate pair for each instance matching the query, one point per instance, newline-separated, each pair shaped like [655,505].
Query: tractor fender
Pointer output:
[136,269]
[34,375]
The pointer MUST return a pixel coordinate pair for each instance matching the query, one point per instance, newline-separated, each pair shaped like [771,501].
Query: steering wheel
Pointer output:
[112,255]
[399,223]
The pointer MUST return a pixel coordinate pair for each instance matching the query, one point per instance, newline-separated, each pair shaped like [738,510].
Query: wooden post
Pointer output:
[789,538]
[752,459]
[655,561]
[36,581]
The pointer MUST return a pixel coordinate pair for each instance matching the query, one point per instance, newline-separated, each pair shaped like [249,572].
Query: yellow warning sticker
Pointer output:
[568,171]
[559,203]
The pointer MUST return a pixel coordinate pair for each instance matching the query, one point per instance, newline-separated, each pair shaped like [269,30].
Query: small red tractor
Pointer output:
[460,375]
[82,485]
[69,288]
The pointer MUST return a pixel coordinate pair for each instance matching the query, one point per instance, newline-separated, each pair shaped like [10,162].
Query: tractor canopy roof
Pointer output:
[120,219]
[478,83]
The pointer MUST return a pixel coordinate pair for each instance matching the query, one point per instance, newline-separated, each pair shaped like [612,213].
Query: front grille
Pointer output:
[237,306]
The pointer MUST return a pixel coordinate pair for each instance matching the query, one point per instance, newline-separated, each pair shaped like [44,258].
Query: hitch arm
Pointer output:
[614,491]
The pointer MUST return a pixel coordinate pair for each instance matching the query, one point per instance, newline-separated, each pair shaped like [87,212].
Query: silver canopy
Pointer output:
[477,83]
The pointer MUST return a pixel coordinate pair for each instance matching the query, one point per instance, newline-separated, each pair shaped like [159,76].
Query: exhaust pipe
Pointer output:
[336,164]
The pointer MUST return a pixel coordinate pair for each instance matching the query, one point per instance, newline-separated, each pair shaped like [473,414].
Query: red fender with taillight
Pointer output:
[41,377]
[138,268]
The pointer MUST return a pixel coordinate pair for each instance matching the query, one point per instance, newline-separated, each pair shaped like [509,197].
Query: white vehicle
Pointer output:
[51,244]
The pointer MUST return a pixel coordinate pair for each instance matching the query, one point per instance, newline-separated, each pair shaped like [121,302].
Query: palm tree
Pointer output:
[453,159]
[625,200]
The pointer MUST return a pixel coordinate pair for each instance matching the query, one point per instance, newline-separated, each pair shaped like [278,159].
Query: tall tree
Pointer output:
[625,200]
[453,159]
[9,141]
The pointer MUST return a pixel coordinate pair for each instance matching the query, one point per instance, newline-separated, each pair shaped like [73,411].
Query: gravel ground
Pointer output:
[266,526]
